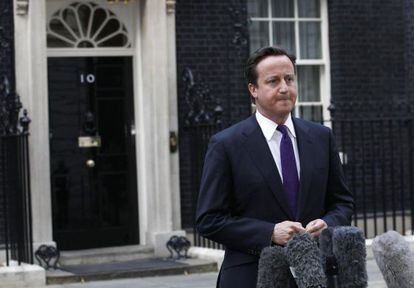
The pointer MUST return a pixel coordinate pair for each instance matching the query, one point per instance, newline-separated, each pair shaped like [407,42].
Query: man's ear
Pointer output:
[253,90]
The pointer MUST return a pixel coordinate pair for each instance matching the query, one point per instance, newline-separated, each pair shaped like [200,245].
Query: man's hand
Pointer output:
[285,230]
[315,227]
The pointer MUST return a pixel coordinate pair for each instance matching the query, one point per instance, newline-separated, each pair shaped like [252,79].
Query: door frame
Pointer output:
[134,27]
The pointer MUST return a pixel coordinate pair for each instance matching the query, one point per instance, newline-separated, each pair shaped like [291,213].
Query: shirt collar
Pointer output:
[269,127]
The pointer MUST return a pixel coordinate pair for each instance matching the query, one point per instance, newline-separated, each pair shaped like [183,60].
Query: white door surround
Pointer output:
[154,103]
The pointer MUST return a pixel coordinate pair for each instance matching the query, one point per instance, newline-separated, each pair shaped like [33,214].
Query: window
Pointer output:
[86,25]
[299,26]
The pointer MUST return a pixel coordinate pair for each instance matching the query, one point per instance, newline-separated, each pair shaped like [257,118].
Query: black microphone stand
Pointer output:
[332,272]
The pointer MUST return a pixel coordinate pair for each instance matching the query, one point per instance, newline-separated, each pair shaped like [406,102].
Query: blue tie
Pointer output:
[289,170]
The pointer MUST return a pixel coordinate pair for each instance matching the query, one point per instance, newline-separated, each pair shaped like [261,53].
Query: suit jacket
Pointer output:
[241,194]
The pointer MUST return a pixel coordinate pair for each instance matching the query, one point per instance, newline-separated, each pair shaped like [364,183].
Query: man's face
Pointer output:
[275,93]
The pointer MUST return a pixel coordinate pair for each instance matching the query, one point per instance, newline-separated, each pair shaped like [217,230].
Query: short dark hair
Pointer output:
[250,71]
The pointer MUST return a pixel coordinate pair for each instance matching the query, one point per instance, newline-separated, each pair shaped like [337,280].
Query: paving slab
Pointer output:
[199,280]
[375,279]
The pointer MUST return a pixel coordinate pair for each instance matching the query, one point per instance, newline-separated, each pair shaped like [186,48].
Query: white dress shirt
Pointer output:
[274,137]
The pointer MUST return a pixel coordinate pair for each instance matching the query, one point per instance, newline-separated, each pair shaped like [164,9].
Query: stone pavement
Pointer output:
[199,280]
[375,279]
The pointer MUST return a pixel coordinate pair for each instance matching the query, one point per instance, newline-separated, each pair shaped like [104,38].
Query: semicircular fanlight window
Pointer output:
[86,25]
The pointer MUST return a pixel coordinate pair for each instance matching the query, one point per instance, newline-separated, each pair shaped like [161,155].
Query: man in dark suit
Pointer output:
[270,176]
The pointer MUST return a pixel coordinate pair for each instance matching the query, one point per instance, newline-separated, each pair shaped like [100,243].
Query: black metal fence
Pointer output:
[377,153]
[201,134]
[377,156]
[15,201]
[203,119]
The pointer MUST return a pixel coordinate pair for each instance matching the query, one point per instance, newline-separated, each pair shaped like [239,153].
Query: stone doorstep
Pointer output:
[128,269]
[105,255]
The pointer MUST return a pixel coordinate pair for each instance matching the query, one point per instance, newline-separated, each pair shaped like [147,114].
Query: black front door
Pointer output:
[92,146]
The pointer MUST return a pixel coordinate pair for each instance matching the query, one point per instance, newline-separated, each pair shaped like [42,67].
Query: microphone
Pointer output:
[273,269]
[304,258]
[348,247]
[328,258]
[394,258]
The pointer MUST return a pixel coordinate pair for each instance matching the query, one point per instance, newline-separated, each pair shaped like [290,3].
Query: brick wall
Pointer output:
[408,16]
[6,68]
[367,50]
[212,41]
[6,34]
[372,77]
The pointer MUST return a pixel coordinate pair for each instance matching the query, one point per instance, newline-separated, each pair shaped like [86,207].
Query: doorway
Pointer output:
[92,146]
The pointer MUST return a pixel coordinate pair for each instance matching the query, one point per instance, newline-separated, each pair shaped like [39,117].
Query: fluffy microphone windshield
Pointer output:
[393,257]
[348,247]
[273,268]
[304,257]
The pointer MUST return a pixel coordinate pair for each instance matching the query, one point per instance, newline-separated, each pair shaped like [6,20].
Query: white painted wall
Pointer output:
[157,174]
[173,113]
[31,84]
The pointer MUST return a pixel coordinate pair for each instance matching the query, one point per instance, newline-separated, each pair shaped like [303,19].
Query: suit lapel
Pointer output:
[304,141]
[262,157]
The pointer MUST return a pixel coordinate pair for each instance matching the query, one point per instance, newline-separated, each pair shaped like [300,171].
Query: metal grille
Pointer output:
[202,120]
[201,134]
[377,156]
[15,178]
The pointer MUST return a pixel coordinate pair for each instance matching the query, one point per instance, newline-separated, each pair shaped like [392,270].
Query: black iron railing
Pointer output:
[202,120]
[377,152]
[15,201]
[377,156]
[201,134]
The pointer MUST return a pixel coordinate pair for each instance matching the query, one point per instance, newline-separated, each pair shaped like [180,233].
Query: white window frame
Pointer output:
[323,63]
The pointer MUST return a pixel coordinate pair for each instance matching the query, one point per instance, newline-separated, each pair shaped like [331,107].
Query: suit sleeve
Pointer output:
[339,199]
[214,212]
